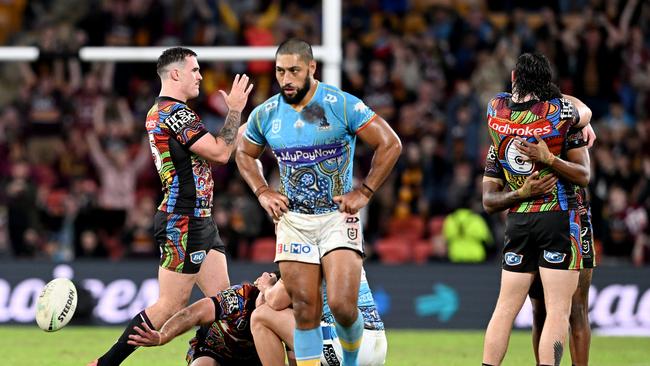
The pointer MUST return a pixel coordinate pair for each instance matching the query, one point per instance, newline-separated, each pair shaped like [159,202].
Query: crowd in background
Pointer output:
[77,175]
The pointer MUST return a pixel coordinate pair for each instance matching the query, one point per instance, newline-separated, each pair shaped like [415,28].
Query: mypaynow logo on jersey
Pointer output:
[504,127]
[308,154]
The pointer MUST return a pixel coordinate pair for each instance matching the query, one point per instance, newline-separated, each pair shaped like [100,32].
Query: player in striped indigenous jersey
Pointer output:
[182,149]
[543,225]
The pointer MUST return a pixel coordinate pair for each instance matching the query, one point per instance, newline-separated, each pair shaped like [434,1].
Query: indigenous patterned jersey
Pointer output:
[366,304]
[576,139]
[314,147]
[186,177]
[230,335]
[551,120]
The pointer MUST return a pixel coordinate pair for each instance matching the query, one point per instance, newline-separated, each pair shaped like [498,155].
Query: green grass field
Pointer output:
[29,346]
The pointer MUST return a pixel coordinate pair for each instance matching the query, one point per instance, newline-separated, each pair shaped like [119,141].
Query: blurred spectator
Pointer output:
[467,235]
[117,173]
[22,219]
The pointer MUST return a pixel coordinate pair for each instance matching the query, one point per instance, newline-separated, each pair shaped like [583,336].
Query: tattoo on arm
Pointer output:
[558,349]
[229,130]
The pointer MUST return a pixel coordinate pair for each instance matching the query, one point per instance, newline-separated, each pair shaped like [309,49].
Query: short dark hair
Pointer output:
[171,55]
[295,46]
[277,274]
[533,75]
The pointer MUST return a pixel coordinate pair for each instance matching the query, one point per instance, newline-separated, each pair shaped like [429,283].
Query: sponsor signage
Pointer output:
[441,296]
[308,155]
[505,127]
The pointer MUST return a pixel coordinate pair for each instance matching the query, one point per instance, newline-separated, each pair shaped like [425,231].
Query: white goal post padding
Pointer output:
[329,53]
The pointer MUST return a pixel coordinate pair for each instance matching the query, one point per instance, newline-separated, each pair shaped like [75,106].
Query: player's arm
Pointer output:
[584,112]
[495,199]
[201,312]
[276,297]
[218,149]
[575,169]
[388,147]
[246,157]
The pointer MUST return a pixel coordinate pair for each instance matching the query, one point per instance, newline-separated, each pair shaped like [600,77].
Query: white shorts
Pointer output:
[372,352]
[307,238]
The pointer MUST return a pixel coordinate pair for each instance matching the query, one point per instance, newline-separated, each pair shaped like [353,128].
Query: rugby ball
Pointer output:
[56,305]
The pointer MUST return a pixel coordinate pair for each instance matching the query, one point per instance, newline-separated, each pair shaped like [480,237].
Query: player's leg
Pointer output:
[270,329]
[519,265]
[514,288]
[213,276]
[559,286]
[341,248]
[342,271]
[176,236]
[536,295]
[302,281]
[579,320]
[174,292]
[299,260]
[559,258]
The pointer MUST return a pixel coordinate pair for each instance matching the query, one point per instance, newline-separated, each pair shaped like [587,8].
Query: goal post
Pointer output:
[329,53]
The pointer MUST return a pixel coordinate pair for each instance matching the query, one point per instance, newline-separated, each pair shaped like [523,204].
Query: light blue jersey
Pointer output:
[314,147]
[366,304]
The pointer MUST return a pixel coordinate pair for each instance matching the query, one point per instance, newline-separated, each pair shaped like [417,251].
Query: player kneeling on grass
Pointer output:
[224,338]
[273,323]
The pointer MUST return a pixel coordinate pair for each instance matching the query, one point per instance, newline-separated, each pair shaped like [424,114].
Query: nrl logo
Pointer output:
[353,233]
[276,124]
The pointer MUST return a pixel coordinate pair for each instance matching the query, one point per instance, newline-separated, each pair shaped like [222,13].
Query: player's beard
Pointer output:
[300,92]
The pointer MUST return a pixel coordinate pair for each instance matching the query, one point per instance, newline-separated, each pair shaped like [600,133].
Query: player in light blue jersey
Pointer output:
[272,324]
[311,128]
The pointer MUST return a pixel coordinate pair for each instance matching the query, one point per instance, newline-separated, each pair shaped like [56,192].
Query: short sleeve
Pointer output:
[357,114]
[569,112]
[185,125]
[493,168]
[575,139]
[254,129]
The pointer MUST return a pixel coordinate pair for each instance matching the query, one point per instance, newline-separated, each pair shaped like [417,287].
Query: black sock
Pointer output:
[121,350]
[485,364]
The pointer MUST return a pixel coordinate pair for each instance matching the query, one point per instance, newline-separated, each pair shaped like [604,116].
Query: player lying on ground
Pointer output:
[224,337]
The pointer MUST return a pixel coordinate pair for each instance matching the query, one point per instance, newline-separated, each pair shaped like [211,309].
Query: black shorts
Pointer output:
[542,239]
[587,241]
[184,241]
[199,347]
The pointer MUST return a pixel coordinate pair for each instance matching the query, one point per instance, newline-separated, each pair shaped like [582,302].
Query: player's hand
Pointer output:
[351,202]
[535,152]
[536,186]
[590,135]
[146,337]
[274,203]
[236,100]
